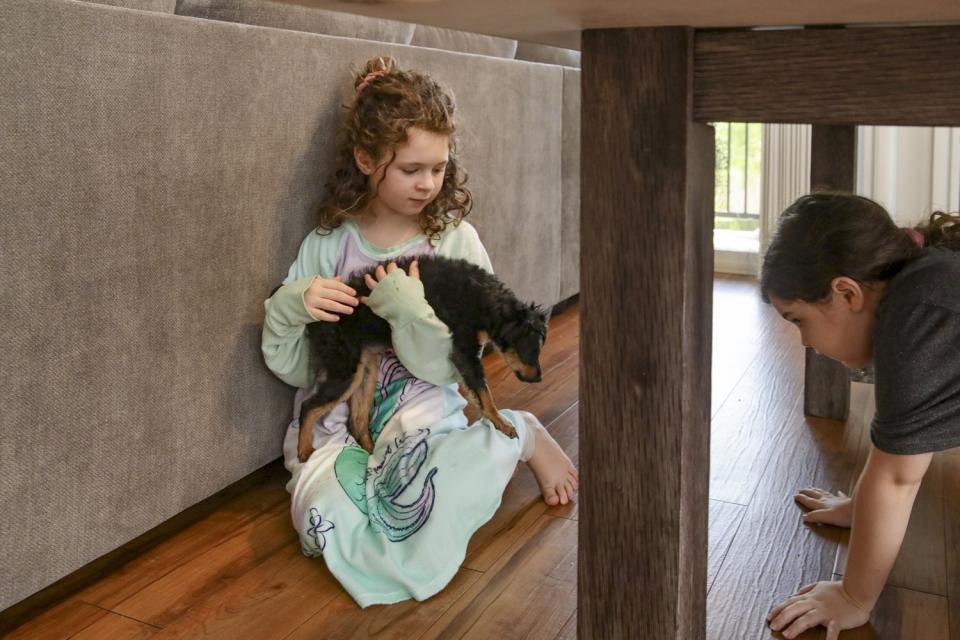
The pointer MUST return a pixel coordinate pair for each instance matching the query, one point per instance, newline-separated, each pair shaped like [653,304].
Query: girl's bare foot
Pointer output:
[556,475]
[826,507]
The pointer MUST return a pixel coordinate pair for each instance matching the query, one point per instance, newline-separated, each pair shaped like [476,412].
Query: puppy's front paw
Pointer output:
[504,427]
[304,452]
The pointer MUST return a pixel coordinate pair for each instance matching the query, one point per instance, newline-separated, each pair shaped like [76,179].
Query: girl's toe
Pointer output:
[550,496]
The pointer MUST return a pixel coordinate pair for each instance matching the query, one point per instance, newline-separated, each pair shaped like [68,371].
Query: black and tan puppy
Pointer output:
[476,307]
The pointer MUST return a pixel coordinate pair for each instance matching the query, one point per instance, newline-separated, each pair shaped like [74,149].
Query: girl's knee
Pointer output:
[531,420]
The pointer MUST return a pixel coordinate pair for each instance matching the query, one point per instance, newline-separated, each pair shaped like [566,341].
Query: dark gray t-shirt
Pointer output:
[917,357]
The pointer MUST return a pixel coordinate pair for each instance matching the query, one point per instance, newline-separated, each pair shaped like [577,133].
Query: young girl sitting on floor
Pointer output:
[862,290]
[395,524]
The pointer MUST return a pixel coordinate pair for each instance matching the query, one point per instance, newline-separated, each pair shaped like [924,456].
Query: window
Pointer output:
[739,155]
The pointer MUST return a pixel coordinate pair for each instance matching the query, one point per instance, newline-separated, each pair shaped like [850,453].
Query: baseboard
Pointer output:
[736,263]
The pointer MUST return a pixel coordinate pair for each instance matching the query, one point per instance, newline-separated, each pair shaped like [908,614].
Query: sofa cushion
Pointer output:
[534,52]
[281,15]
[463,41]
[570,186]
[160,6]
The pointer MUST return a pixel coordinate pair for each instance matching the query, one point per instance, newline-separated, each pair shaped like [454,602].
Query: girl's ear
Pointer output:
[849,291]
[364,161]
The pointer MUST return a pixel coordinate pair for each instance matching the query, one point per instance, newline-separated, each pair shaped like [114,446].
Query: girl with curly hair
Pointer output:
[394,524]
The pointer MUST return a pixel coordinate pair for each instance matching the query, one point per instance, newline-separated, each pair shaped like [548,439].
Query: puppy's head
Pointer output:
[521,339]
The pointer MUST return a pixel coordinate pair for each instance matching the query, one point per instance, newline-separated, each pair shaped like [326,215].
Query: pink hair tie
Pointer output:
[367,79]
[915,235]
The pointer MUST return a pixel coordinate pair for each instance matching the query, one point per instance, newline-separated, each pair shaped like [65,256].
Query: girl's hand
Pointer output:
[325,297]
[826,507]
[820,603]
[382,273]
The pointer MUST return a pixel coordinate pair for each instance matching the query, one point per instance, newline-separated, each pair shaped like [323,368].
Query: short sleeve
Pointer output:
[917,364]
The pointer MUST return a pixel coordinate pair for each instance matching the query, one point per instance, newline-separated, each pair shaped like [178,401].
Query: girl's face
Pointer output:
[413,179]
[840,327]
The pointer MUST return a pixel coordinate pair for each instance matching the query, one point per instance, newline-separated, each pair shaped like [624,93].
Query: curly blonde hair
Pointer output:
[388,102]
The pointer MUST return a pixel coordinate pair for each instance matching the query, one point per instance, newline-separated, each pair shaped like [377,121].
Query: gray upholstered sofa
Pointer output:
[161,163]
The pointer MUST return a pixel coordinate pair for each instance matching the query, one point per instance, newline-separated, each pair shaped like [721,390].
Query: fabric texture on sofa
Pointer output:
[463,41]
[547,54]
[570,186]
[160,6]
[282,15]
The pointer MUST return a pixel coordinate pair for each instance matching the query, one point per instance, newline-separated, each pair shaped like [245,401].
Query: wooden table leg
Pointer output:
[832,166]
[646,304]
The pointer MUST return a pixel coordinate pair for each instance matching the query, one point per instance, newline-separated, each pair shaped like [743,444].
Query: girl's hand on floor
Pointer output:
[820,603]
[326,297]
[382,273]
[826,507]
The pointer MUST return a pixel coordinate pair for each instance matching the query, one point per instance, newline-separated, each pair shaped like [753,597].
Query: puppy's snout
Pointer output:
[529,374]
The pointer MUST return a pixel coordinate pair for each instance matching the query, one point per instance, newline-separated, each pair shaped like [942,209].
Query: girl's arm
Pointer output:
[421,340]
[284,340]
[883,500]
[882,504]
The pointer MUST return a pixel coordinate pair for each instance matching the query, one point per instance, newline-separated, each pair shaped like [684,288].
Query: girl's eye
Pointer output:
[409,172]
[437,172]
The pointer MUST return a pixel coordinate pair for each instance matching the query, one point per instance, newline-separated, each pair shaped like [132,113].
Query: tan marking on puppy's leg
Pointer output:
[362,400]
[305,439]
[490,411]
[483,338]
[473,409]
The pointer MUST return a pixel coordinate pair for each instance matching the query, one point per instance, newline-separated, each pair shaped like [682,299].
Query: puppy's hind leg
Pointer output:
[474,385]
[362,400]
[309,414]
[331,394]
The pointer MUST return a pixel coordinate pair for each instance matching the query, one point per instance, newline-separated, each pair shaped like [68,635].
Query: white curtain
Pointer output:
[911,171]
[786,173]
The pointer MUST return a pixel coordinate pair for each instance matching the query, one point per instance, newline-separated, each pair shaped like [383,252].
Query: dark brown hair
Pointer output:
[387,103]
[827,234]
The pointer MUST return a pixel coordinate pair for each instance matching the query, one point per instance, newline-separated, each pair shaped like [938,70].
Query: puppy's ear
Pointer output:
[543,312]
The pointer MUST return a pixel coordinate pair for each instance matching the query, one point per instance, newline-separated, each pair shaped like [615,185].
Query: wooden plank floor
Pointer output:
[237,572]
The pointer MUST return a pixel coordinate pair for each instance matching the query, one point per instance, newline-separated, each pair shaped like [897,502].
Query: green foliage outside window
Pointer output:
[739,159]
